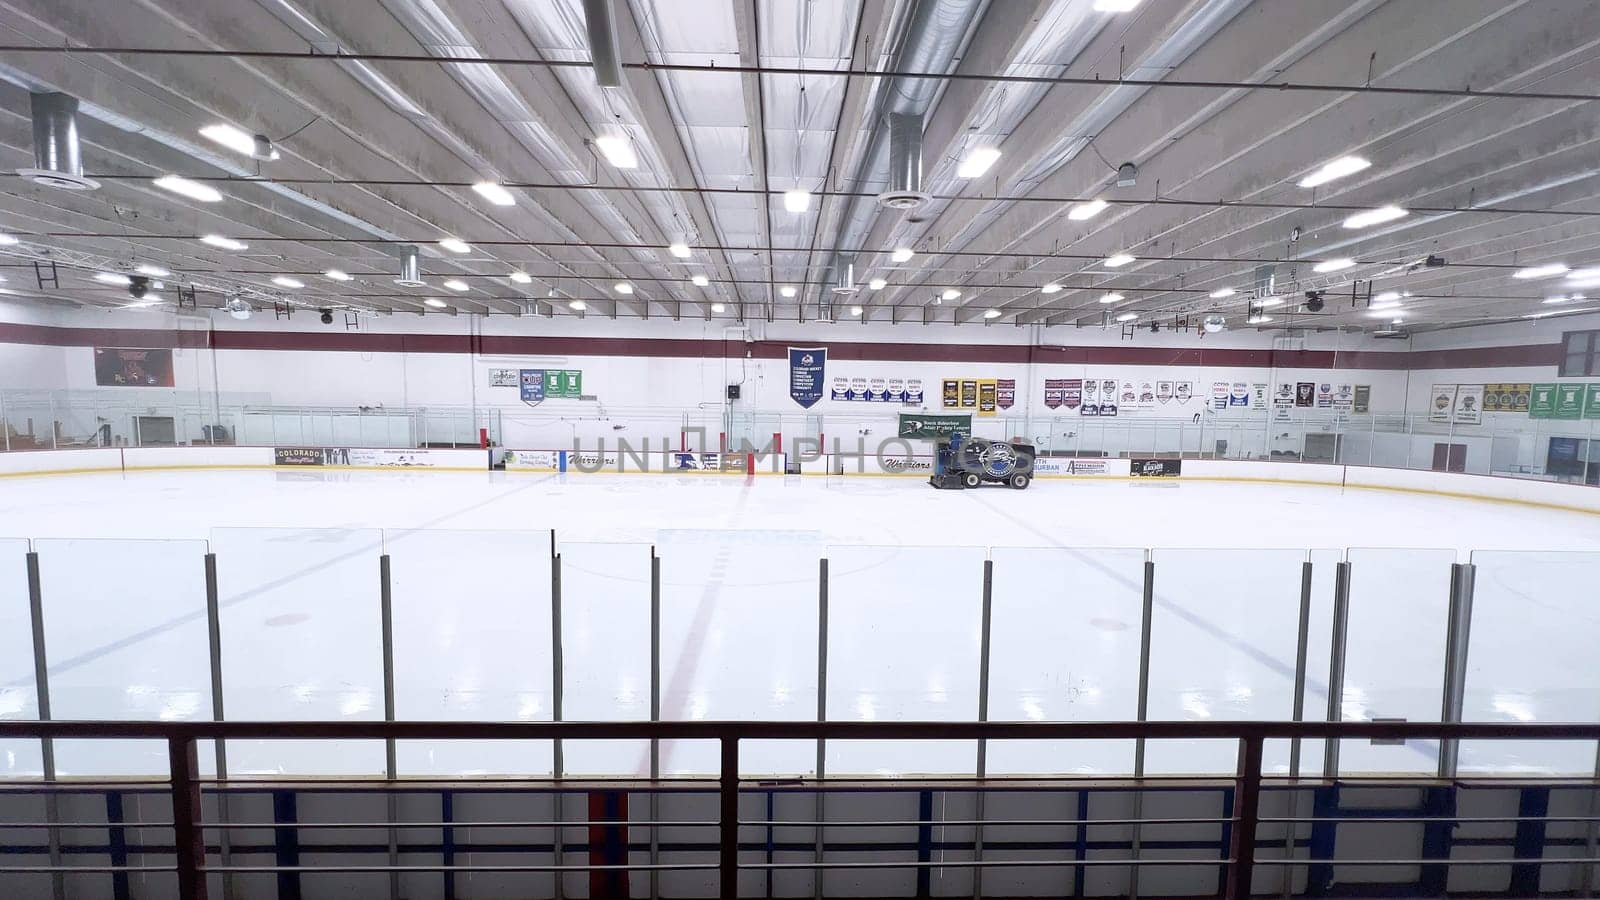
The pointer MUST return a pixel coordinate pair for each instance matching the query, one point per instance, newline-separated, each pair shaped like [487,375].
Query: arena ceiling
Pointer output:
[1476,118]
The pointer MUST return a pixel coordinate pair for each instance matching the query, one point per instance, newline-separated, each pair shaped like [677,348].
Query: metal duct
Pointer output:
[602,28]
[905,162]
[55,144]
[410,269]
[1266,282]
[844,269]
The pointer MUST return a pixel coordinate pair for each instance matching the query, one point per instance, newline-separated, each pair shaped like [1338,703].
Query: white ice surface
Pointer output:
[739,563]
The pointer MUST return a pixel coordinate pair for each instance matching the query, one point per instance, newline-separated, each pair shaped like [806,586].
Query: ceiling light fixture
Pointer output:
[681,251]
[1559,299]
[217,240]
[1114,5]
[1112,297]
[855,310]
[1127,317]
[152,271]
[700,280]
[1584,282]
[797,200]
[194,190]
[521,278]
[901,254]
[1331,171]
[578,305]
[337,275]
[455,245]
[495,193]
[7,240]
[622,287]
[1375,217]
[1386,297]
[1584,274]
[718,307]
[618,151]
[1268,302]
[1118,261]
[1549,270]
[285,281]
[1051,288]
[1332,265]
[977,162]
[1222,293]
[456,284]
[950,294]
[876,284]
[436,303]
[1258,320]
[112,278]
[991,314]
[787,290]
[1083,212]
[255,146]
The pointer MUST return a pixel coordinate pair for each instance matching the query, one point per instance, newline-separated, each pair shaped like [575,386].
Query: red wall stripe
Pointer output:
[693,348]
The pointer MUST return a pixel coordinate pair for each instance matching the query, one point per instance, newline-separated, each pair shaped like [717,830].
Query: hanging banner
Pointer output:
[1325,396]
[563,383]
[987,390]
[1506,397]
[806,366]
[1363,398]
[923,427]
[115,367]
[1591,402]
[1569,401]
[1469,404]
[969,394]
[1091,396]
[1183,391]
[1239,394]
[951,389]
[1163,392]
[1283,403]
[532,383]
[1305,394]
[1072,392]
[1258,396]
[1542,401]
[1005,392]
[503,378]
[1053,389]
[1147,395]
[1344,397]
[877,390]
[1442,403]
[1219,395]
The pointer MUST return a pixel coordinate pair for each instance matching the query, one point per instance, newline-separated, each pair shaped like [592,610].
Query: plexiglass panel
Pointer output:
[1394,657]
[18,697]
[1532,657]
[904,626]
[472,618]
[739,641]
[301,639]
[605,637]
[1064,646]
[1222,646]
[127,638]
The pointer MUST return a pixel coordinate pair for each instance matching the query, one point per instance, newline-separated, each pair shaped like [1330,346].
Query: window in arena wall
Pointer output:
[1580,353]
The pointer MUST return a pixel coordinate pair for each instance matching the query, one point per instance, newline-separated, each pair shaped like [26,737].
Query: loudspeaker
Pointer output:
[733,392]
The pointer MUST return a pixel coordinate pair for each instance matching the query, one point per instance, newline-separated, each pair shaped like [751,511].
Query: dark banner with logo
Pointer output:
[1157,468]
[806,365]
[115,367]
[915,426]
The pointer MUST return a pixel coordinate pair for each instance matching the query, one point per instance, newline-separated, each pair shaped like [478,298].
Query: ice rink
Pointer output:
[297,555]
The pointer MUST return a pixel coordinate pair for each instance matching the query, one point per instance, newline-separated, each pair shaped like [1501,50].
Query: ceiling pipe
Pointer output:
[844,281]
[905,163]
[57,157]
[602,27]
[410,269]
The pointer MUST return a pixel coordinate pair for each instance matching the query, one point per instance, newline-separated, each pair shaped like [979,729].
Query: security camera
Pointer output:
[327,317]
[138,286]
[1314,301]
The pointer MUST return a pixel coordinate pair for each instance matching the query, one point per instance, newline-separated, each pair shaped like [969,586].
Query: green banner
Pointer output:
[563,383]
[1542,401]
[1591,402]
[921,427]
[1569,401]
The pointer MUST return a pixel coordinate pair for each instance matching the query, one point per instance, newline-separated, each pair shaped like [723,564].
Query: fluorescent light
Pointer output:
[901,254]
[152,271]
[1339,168]
[1332,265]
[578,305]
[1375,217]
[700,280]
[456,245]
[521,278]
[456,284]
[855,310]
[1258,320]
[232,138]
[1050,288]
[1112,297]
[1118,261]
[978,161]
[1127,317]
[1268,302]
[1114,5]
[718,307]
[337,275]
[1584,283]
[1559,299]
[787,290]
[618,151]
[1386,297]
[436,303]
[681,251]
[1382,313]
[1584,274]
[1222,293]
[494,193]
[876,284]
[287,282]
[622,287]
[217,240]
[797,200]
[147,302]
[1549,270]
[194,190]
[112,278]
[950,294]
[1083,212]
[6,240]
[991,314]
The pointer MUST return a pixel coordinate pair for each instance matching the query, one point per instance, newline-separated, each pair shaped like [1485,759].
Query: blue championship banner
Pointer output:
[805,374]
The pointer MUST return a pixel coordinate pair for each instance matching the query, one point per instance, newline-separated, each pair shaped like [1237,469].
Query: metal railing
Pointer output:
[1242,821]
